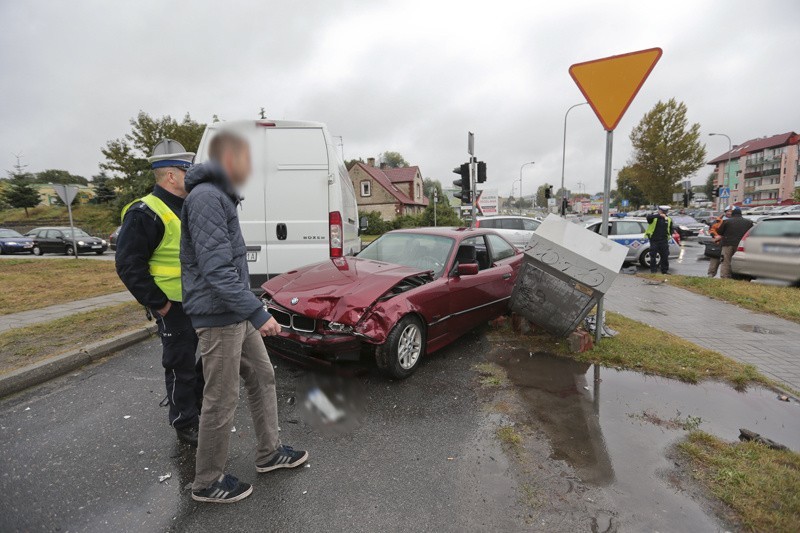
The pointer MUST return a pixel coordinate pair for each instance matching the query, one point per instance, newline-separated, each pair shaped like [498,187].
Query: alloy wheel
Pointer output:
[409,346]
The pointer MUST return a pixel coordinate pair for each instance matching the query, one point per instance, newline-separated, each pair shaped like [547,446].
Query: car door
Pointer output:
[471,298]
[53,241]
[513,231]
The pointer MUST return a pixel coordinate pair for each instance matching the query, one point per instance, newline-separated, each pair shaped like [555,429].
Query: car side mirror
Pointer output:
[363,224]
[467,269]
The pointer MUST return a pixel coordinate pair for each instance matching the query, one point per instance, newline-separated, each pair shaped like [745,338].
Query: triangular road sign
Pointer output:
[610,84]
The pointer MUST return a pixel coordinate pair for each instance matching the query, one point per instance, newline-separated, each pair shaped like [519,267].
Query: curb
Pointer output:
[45,370]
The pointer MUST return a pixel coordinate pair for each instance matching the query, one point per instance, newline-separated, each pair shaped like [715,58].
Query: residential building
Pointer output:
[761,171]
[392,192]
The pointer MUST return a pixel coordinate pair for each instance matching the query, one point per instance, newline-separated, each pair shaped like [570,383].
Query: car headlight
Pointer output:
[81,243]
[684,228]
[11,243]
[340,328]
[103,241]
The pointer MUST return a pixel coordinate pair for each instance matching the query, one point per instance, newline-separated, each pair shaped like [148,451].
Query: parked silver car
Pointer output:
[630,232]
[516,229]
[771,249]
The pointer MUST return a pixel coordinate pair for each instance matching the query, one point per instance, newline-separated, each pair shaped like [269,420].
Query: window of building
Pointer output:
[417,190]
[366,188]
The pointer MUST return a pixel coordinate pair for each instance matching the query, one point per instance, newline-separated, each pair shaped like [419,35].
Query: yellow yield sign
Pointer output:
[610,84]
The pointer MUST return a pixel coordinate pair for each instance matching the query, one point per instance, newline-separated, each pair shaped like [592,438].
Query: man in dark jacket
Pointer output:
[230,322]
[730,233]
[149,266]
[659,231]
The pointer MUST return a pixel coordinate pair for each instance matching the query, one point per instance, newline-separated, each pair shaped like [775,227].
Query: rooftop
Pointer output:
[756,145]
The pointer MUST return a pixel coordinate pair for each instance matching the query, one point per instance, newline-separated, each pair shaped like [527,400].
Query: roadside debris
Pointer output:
[783,398]
[747,435]
[565,271]
[162,479]
[590,323]
[126,417]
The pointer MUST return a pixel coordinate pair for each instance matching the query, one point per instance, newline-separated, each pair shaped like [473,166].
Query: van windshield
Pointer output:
[415,250]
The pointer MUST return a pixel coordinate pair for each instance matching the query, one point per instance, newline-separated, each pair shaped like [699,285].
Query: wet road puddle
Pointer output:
[615,429]
[751,328]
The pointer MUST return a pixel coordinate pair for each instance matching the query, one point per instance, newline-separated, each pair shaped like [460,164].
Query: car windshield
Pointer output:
[8,233]
[77,233]
[415,250]
[777,227]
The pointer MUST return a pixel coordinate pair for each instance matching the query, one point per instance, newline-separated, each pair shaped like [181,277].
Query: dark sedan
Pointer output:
[408,294]
[12,242]
[64,240]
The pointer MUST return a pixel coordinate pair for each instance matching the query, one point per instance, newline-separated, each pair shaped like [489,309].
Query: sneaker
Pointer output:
[227,489]
[188,435]
[285,457]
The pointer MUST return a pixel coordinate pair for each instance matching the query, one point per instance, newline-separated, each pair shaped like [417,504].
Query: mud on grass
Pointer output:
[36,283]
[24,346]
[760,486]
[643,348]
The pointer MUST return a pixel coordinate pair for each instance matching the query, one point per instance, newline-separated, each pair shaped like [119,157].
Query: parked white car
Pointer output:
[299,206]
[630,232]
[516,229]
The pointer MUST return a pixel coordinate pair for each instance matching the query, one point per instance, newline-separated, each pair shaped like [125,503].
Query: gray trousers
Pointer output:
[727,255]
[229,352]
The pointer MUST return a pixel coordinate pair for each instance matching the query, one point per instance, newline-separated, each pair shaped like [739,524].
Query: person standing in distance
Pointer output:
[659,231]
[148,263]
[714,262]
[230,322]
[731,232]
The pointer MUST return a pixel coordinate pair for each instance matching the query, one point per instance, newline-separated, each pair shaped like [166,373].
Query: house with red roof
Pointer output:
[389,191]
[763,171]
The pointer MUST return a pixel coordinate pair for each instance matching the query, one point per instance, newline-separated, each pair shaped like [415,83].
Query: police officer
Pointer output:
[148,264]
[659,231]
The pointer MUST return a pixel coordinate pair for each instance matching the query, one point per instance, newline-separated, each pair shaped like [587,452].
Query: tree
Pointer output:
[445,215]
[429,185]
[541,200]
[393,160]
[19,191]
[103,191]
[350,163]
[797,195]
[59,176]
[126,158]
[666,149]
[710,186]
[627,188]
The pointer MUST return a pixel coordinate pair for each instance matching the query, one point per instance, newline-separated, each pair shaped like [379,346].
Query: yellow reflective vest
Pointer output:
[165,263]
[651,228]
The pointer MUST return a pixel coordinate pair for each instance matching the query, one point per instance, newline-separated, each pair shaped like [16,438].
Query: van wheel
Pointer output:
[399,356]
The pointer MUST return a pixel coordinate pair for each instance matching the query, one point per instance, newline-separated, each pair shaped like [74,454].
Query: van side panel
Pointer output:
[296,197]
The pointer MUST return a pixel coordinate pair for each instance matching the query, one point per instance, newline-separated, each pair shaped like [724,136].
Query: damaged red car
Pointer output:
[408,294]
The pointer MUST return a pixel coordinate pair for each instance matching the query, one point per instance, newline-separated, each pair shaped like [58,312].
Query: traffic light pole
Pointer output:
[473,173]
[598,334]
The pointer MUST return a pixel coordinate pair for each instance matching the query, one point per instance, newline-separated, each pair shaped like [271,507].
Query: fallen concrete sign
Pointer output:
[566,270]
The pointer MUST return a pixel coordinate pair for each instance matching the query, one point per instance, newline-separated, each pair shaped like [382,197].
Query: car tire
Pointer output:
[37,251]
[100,252]
[741,277]
[2,251]
[69,250]
[644,258]
[399,356]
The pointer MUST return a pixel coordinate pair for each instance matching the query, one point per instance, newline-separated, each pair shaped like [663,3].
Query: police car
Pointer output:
[629,231]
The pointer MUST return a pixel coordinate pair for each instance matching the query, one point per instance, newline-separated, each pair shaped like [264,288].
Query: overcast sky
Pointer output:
[412,76]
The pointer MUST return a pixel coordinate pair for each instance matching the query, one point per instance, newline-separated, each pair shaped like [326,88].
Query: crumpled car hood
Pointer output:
[337,290]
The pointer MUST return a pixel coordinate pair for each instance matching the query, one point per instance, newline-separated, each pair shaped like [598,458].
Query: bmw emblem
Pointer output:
[295,300]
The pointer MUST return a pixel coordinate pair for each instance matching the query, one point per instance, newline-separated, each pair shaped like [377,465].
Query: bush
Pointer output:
[445,216]
[407,221]
[375,224]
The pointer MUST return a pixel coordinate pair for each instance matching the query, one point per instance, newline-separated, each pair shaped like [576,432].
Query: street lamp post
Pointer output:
[563,158]
[727,179]
[521,201]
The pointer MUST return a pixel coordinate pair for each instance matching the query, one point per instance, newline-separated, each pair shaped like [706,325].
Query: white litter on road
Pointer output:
[162,479]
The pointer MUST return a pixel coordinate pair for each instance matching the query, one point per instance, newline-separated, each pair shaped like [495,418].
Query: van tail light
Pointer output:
[740,248]
[335,232]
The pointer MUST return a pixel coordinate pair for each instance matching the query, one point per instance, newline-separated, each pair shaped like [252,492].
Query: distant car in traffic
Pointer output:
[630,232]
[707,216]
[516,229]
[758,210]
[786,210]
[406,295]
[771,249]
[687,226]
[112,239]
[63,240]
[12,242]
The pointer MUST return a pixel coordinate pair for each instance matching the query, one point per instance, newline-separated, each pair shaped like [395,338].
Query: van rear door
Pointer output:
[296,197]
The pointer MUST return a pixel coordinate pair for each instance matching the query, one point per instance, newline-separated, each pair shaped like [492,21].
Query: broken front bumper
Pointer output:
[314,347]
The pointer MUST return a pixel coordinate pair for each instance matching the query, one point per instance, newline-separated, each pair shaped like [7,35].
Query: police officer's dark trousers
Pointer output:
[183,373]
[659,256]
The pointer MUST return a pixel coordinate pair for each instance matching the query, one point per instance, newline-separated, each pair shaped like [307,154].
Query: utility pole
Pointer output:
[435,204]
[520,184]
[726,180]
[563,160]
[473,176]
[341,144]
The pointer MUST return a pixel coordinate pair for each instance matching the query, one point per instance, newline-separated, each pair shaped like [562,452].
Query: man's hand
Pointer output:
[164,310]
[717,238]
[270,328]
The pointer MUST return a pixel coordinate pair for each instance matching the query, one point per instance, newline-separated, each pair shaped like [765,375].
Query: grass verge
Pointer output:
[490,375]
[760,486]
[774,300]
[35,283]
[646,349]
[24,346]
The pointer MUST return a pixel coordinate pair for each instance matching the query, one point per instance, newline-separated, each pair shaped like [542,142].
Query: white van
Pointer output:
[299,206]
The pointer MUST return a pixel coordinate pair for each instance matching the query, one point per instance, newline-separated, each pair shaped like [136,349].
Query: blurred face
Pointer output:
[237,164]
[728,212]
[176,177]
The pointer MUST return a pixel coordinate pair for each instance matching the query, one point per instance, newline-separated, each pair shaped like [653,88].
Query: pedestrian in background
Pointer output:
[148,263]
[714,262]
[659,231]
[230,322]
[731,232]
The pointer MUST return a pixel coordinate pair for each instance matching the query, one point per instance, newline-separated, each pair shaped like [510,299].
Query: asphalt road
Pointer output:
[84,453]
[108,256]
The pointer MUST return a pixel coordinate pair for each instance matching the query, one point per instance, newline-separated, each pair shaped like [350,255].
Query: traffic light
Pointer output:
[481,172]
[716,192]
[548,191]
[685,199]
[464,183]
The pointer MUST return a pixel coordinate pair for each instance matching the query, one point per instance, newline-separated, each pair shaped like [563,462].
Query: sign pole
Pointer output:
[598,334]
[72,230]
[472,177]
[435,202]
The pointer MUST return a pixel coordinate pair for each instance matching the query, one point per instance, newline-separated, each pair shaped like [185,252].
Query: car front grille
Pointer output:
[293,321]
